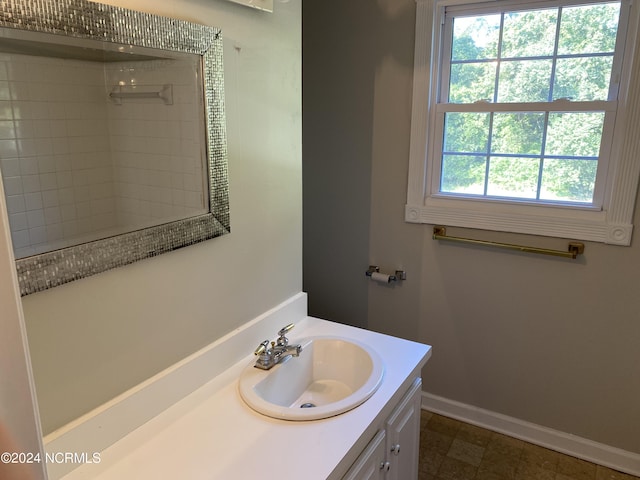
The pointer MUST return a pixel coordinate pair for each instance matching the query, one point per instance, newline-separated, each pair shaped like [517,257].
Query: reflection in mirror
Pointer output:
[110,151]
[97,142]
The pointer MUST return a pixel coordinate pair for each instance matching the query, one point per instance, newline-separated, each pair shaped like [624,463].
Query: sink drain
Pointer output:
[307,405]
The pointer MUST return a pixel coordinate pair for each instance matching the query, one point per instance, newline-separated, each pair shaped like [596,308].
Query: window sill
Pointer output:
[564,223]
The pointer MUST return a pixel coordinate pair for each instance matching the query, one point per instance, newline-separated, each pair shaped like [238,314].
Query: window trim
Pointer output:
[612,224]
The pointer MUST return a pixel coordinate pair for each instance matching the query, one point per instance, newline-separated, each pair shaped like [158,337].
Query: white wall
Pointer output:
[540,339]
[94,338]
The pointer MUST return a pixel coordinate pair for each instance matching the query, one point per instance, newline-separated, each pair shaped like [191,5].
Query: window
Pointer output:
[520,123]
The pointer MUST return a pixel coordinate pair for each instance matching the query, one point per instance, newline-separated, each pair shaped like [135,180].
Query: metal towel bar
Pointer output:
[124,92]
[574,249]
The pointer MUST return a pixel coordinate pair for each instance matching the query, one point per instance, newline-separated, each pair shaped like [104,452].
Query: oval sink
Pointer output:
[331,376]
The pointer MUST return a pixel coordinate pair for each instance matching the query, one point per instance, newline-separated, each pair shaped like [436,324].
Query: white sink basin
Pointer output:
[331,376]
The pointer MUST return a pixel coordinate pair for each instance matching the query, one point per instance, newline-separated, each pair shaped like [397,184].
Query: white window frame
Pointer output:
[612,224]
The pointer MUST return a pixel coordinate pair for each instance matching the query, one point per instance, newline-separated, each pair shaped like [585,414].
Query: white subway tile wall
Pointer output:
[76,166]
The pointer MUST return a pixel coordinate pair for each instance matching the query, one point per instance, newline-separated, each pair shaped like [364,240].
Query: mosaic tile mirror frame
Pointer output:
[85,21]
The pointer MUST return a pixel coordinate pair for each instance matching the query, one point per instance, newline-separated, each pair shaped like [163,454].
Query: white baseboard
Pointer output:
[573,445]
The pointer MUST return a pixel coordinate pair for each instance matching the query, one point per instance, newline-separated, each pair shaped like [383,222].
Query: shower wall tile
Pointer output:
[153,143]
[50,108]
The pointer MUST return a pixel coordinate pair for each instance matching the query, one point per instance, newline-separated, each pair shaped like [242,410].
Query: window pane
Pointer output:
[589,29]
[517,133]
[568,180]
[463,174]
[574,134]
[524,81]
[527,57]
[475,38]
[529,34]
[513,177]
[466,132]
[583,78]
[471,82]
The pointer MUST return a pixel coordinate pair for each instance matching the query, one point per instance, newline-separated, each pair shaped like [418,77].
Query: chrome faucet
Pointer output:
[272,353]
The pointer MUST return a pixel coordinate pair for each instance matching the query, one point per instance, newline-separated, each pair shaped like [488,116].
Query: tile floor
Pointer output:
[453,450]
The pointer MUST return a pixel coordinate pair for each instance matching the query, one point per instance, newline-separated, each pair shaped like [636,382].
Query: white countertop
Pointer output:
[212,434]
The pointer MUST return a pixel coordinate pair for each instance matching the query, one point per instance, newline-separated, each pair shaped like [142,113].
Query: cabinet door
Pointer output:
[371,464]
[403,436]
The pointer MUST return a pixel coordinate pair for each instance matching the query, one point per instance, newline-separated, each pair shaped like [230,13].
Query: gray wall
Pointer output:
[545,340]
[337,168]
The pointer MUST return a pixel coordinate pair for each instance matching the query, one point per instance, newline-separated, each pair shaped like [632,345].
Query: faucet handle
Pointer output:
[284,330]
[282,340]
[262,348]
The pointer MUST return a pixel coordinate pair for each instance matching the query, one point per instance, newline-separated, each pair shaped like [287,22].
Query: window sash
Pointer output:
[448,13]
[557,106]
[435,172]
[477,7]
[441,105]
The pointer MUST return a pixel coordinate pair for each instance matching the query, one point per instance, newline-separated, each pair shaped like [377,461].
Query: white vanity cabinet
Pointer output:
[393,452]
[372,462]
[403,436]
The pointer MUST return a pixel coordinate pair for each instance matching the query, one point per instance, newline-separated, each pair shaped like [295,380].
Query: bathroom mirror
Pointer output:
[112,137]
